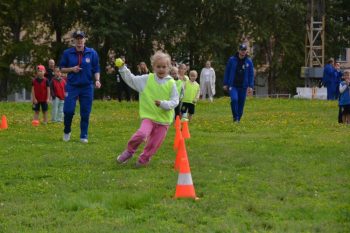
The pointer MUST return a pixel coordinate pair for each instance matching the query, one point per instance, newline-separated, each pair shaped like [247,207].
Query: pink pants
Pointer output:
[150,132]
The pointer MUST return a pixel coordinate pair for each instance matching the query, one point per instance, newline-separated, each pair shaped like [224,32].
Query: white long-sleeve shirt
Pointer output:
[207,75]
[138,83]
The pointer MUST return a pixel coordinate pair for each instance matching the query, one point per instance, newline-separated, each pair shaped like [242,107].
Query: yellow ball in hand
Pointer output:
[119,62]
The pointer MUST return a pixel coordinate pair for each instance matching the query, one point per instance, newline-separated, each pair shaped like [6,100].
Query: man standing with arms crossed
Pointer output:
[83,68]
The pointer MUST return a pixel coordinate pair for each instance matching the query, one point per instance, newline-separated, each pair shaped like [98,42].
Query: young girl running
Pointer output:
[158,98]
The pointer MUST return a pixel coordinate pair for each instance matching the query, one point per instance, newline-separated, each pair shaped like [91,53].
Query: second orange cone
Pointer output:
[177,122]
[181,152]
[177,139]
[185,131]
[4,122]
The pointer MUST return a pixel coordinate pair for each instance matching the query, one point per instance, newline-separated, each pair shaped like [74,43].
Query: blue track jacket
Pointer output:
[230,72]
[89,63]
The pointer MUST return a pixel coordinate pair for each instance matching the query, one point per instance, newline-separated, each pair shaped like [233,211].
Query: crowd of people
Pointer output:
[163,94]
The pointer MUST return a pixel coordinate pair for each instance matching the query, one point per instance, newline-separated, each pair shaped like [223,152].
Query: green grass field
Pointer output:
[284,168]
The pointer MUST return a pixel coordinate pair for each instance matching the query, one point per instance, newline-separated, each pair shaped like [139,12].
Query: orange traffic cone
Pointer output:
[178,137]
[185,130]
[35,122]
[177,122]
[184,187]
[4,122]
[181,152]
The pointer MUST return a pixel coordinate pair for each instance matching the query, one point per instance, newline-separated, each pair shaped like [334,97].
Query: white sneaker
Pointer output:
[84,140]
[66,137]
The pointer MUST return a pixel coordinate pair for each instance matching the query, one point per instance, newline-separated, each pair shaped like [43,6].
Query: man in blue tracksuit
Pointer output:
[328,79]
[238,80]
[83,68]
[331,79]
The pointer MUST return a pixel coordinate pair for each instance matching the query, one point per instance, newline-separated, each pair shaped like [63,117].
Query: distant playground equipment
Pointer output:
[312,71]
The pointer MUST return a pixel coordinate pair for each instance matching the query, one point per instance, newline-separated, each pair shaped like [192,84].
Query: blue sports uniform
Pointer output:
[344,101]
[344,98]
[79,86]
[239,75]
[331,79]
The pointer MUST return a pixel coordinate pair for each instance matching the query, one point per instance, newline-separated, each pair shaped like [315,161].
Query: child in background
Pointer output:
[344,99]
[182,72]
[143,69]
[40,93]
[158,98]
[57,88]
[174,73]
[191,95]
[207,80]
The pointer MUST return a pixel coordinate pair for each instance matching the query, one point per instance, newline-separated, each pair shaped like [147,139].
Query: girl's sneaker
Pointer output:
[138,164]
[124,157]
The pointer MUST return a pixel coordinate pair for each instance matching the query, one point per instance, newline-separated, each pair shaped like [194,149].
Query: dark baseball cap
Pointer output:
[242,47]
[78,33]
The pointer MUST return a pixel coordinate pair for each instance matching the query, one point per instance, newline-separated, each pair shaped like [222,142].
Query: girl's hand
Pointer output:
[157,102]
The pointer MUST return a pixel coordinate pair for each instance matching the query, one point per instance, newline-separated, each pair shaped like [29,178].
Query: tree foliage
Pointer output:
[337,28]
[279,40]
[16,23]
[191,31]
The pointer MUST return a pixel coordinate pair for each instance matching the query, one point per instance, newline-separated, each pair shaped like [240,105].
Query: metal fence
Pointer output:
[284,96]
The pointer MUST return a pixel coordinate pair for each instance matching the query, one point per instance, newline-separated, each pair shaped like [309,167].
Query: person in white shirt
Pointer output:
[207,82]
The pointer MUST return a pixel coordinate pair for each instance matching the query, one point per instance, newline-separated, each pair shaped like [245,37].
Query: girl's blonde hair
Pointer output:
[159,55]
[174,69]
[193,73]
[183,66]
